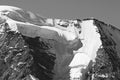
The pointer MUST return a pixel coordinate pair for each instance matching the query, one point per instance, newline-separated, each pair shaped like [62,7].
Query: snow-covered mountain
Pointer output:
[37,48]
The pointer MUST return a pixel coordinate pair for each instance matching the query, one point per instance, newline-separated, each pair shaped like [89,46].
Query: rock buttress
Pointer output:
[24,58]
[107,66]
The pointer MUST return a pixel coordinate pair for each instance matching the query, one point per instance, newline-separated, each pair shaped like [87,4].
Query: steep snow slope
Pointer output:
[91,43]
[36,48]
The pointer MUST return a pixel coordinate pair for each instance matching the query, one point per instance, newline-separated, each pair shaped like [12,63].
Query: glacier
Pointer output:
[37,48]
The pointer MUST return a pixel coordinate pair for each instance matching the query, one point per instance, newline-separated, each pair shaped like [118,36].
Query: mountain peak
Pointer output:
[37,48]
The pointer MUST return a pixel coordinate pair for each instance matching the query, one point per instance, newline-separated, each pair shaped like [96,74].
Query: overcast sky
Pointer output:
[105,10]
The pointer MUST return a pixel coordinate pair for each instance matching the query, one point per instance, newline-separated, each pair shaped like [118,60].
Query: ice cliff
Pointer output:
[37,48]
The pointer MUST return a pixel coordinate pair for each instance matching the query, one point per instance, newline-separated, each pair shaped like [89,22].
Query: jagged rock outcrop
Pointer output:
[37,48]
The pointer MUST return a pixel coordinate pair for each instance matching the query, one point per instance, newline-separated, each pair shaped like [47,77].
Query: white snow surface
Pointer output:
[91,43]
[9,8]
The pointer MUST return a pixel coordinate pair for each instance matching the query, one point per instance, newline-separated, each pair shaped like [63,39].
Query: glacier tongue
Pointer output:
[37,48]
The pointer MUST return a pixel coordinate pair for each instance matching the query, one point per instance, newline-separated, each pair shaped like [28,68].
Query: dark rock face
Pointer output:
[22,56]
[107,66]
[15,57]
[43,59]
